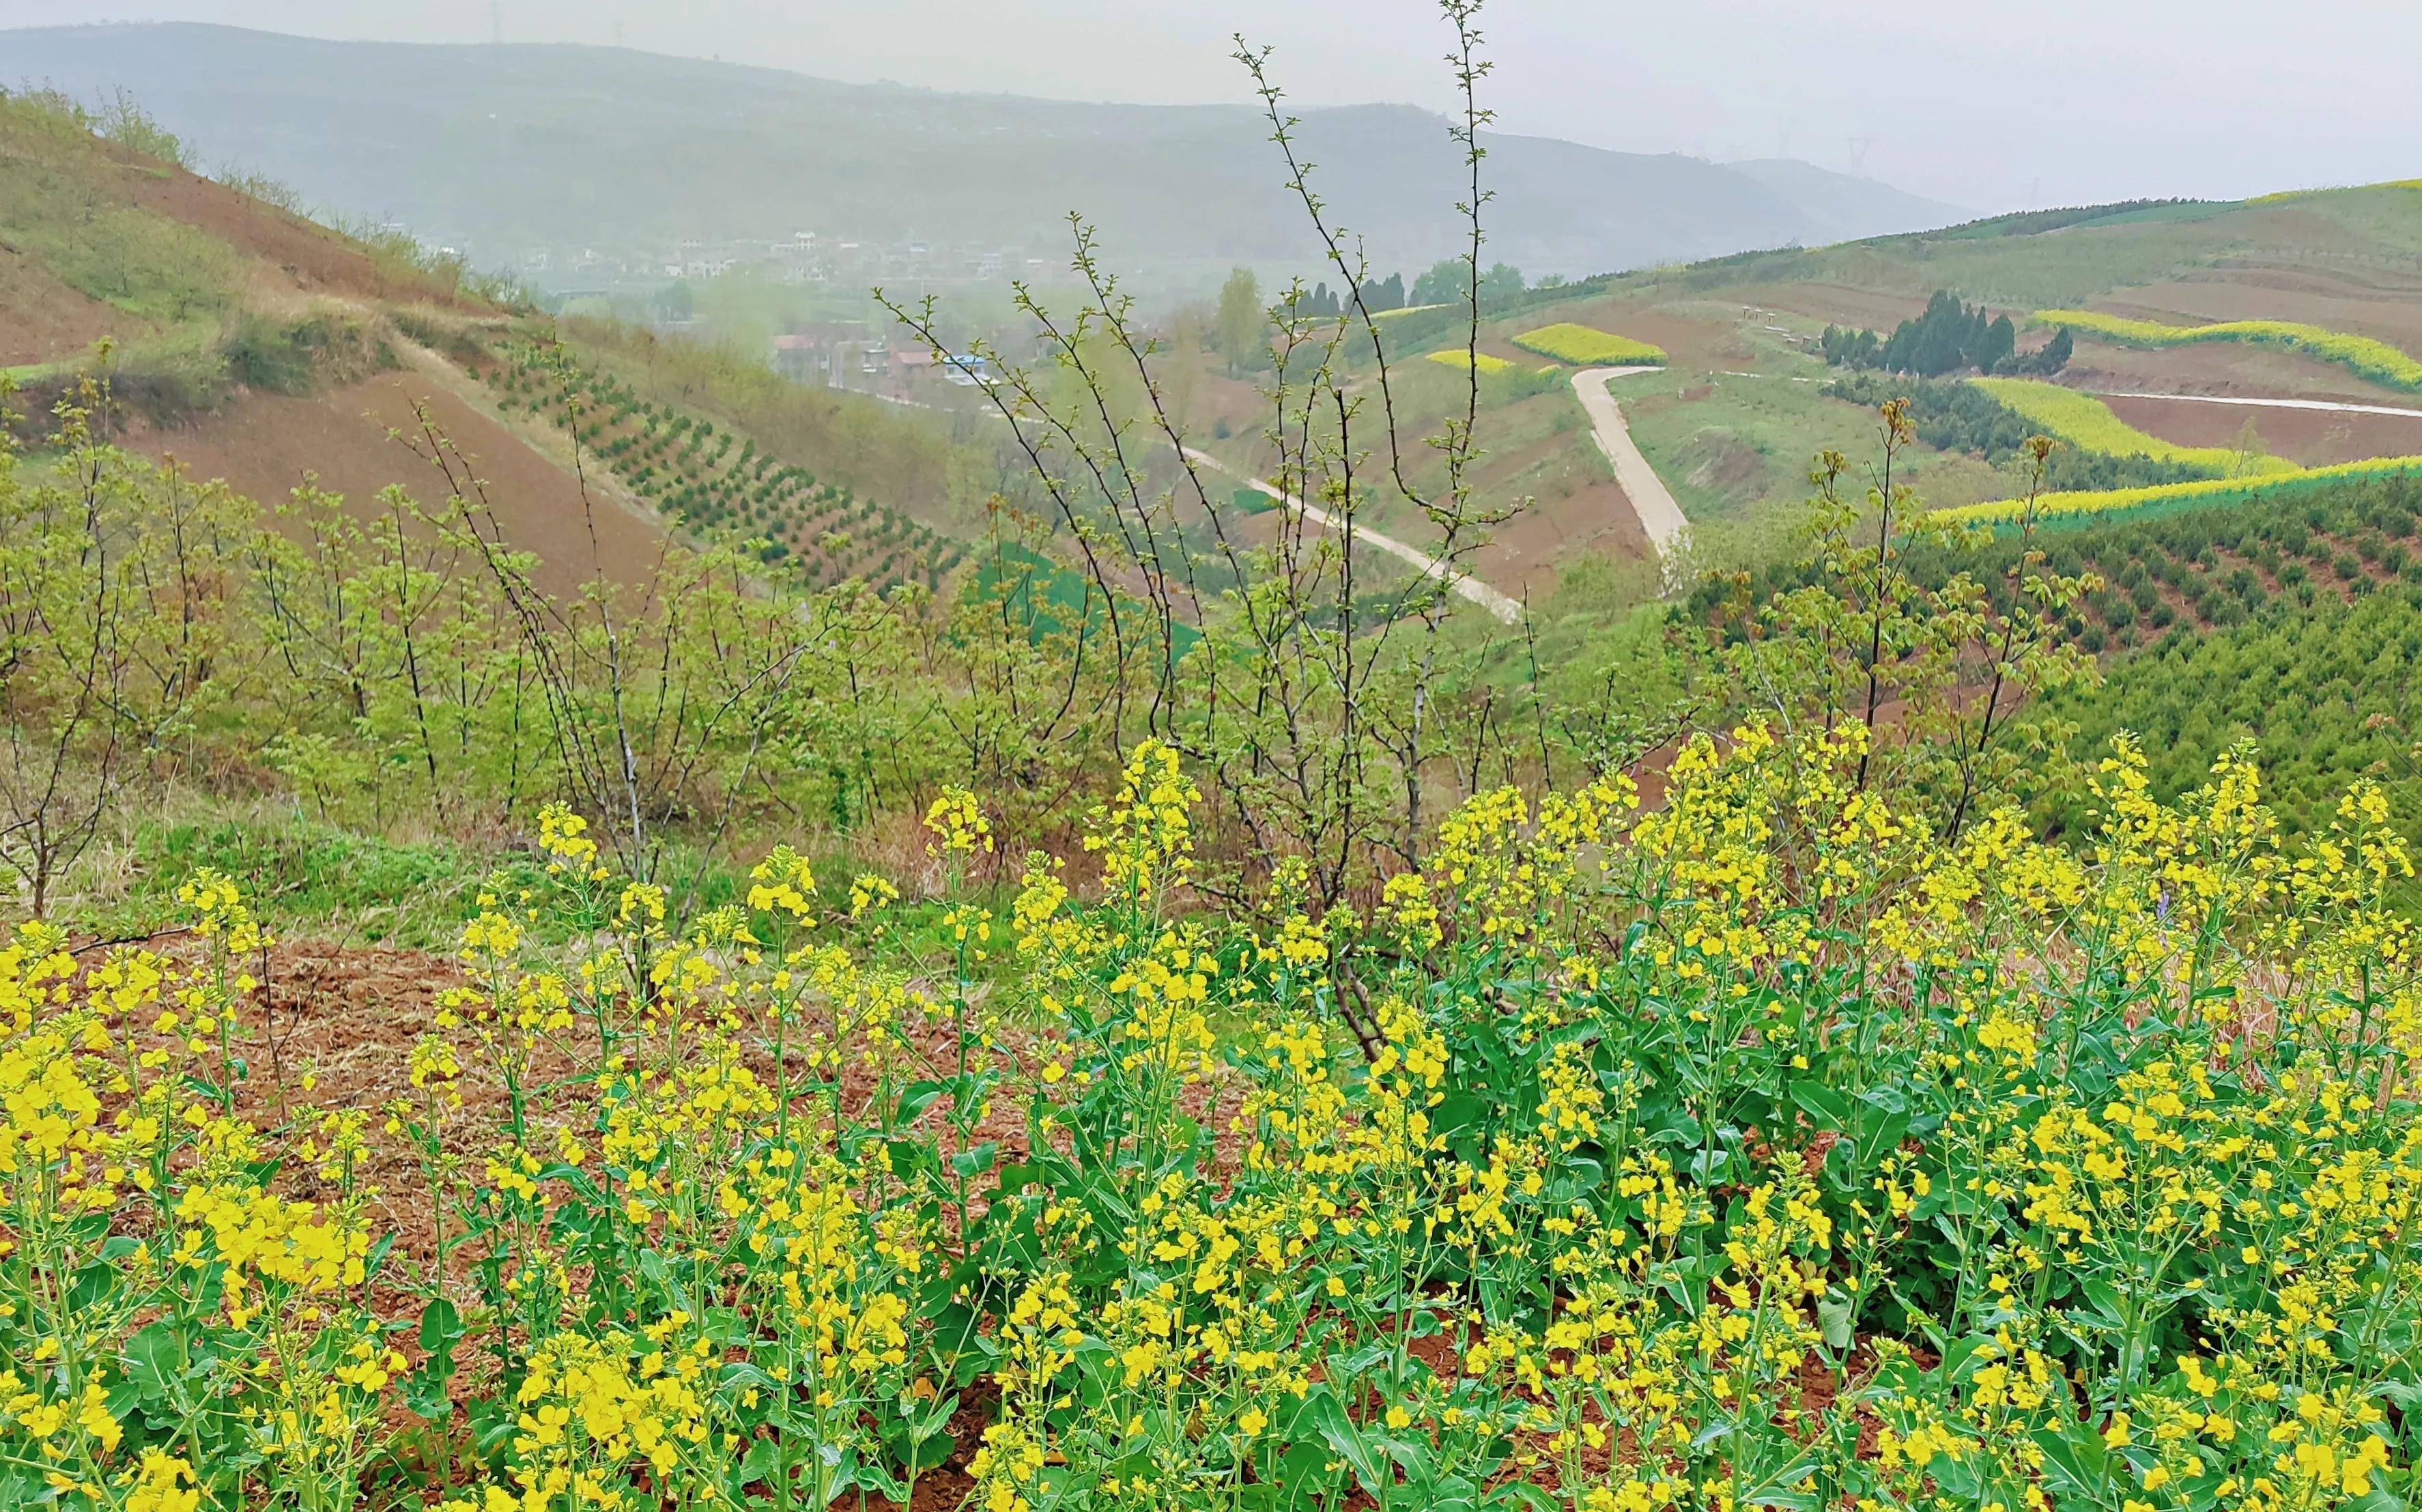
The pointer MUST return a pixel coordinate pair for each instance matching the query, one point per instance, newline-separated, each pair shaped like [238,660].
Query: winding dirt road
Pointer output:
[1661,518]
[1462,584]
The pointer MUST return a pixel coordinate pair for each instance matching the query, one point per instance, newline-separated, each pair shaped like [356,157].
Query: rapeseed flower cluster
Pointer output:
[1755,1147]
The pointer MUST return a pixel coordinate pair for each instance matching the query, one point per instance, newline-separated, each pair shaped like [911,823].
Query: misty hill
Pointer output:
[503,149]
[1838,207]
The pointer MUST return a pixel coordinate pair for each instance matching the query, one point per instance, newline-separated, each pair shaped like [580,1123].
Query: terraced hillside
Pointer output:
[714,480]
[2296,625]
[2312,297]
[253,345]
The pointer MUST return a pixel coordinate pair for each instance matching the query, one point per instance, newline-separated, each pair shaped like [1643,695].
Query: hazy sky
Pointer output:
[1986,103]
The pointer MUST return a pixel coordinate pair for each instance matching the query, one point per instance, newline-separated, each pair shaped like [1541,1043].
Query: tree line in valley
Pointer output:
[1949,337]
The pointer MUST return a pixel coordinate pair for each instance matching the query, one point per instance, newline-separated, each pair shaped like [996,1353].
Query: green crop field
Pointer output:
[1744,446]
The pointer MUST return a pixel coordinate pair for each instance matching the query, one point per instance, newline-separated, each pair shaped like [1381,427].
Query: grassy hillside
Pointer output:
[197,287]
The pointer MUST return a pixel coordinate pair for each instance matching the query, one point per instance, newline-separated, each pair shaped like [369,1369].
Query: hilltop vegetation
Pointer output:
[1947,337]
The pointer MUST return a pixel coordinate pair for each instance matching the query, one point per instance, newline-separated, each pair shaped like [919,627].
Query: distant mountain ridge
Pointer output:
[505,147]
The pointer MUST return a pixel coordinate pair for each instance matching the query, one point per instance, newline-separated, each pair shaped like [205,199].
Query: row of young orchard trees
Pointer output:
[2295,628]
[716,482]
[2328,692]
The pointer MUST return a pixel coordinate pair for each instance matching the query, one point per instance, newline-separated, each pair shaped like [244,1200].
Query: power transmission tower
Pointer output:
[1859,145]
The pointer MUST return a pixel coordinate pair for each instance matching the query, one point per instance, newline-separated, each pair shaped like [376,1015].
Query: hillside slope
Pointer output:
[250,344]
[253,345]
[1732,422]
[1838,207]
[99,240]
[502,147]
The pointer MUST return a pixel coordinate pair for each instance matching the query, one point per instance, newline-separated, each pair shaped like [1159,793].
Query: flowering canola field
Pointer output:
[2086,423]
[1462,357]
[1587,346]
[2361,354]
[2098,504]
[1756,1149]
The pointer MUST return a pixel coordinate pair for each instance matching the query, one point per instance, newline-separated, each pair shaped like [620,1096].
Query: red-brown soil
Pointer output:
[2218,368]
[1842,305]
[266,445]
[45,319]
[2381,302]
[1691,344]
[2312,437]
[1522,557]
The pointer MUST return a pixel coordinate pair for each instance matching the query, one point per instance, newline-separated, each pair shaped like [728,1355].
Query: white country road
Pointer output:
[1661,518]
[2263,403]
[1463,583]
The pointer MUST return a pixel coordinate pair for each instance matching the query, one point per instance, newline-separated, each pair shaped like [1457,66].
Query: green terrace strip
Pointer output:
[1588,347]
[2086,423]
[1459,357]
[2360,354]
[2054,508]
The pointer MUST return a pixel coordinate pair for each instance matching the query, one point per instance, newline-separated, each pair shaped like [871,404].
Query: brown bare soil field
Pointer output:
[1689,343]
[1521,557]
[1842,305]
[2312,437]
[46,320]
[266,445]
[2365,300]
[2219,368]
